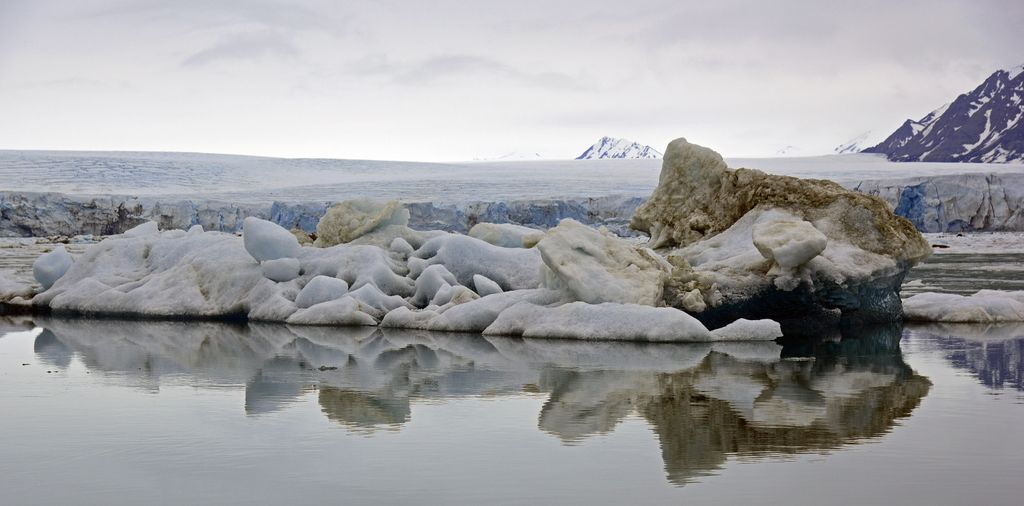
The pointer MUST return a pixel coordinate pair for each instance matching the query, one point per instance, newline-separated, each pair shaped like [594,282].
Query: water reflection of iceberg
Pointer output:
[703,401]
[994,353]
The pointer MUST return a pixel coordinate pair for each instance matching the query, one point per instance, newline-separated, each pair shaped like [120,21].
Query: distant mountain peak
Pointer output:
[983,125]
[612,147]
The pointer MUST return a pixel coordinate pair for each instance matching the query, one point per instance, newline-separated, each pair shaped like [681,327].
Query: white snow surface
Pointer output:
[985,306]
[256,180]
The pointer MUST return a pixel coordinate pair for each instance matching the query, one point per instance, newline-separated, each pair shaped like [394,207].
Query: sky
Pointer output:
[448,80]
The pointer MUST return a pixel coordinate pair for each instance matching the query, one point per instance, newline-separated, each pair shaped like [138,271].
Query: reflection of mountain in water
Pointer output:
[993,352]
[704,401]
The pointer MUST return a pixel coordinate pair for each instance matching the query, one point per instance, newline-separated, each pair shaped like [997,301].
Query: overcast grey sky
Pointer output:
[450,80]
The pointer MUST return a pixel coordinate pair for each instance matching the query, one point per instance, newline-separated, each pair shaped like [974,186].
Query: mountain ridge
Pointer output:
[983,125]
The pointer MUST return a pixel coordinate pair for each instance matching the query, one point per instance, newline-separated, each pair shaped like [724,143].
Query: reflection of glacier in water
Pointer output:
[994,353]
[704,402]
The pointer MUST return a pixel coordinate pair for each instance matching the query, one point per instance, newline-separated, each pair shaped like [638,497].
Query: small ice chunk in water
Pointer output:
[49,267]
[749,330]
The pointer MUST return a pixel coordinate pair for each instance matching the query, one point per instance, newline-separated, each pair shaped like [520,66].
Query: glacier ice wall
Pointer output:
[955,202]
[28,214]
[944,203]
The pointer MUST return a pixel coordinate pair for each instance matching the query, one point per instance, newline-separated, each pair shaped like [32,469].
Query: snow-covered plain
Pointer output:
[67,193]
[258,180]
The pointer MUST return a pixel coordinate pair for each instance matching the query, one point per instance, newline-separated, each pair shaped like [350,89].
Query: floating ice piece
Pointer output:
[506,235]
[463,256]
[351,219]
[607,321]
[985,306]
[749,330]
[49,267]
[268,241]
[484,286]
[595,266]
[195,229]
[321,289]
[789,244]
[280,269]
[343,311]
[708,210]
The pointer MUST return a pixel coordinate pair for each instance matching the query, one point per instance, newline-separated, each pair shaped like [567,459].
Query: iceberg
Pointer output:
[755,245]
[984,306]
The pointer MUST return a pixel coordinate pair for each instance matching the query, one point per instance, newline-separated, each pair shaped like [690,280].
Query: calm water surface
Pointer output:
[116,412]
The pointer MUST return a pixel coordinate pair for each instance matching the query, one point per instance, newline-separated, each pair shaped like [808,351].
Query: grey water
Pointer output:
[132,412]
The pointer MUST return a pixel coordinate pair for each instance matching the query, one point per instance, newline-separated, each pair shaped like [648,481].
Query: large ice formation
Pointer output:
[576,283]
[984,306]
[757,245]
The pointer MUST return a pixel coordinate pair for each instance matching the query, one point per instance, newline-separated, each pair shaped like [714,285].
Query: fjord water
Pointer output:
[128,412]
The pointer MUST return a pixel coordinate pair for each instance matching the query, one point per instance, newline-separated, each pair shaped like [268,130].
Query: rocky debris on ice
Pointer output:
[49,267]
[985,306]
[594,266]
[755,245]
[351,219]
[506,235]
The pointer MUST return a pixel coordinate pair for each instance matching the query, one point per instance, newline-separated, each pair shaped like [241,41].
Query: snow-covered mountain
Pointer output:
[857,144]
[981,126]
[610,147]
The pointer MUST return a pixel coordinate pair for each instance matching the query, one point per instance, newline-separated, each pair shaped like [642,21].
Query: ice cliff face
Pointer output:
[610,147]
[983,125]
[955,203]
[26,214]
